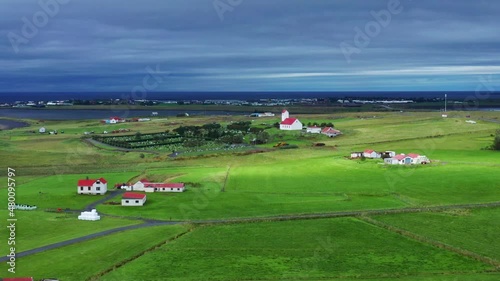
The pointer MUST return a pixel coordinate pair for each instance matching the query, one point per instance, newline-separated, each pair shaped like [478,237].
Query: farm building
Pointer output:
[289,124]
[165,187]
[94,187]
[391,161]
[113,120]
[42,130]
[388,154]
[133,199]
[371,154]
[356,155]
[330,132]
[147,186]
[313,130]
[265,114]
[418,159]
[410,159]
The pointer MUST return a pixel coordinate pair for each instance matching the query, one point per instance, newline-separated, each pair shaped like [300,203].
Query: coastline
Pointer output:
[9,124]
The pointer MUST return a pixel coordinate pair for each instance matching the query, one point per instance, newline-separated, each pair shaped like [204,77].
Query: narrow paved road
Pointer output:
[110,196]
[152,222]
[85,238]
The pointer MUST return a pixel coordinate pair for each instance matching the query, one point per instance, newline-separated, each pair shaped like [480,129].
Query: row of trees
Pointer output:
[329,124]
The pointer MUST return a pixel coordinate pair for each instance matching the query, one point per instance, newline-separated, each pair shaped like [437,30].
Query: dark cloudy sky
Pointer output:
[253,45]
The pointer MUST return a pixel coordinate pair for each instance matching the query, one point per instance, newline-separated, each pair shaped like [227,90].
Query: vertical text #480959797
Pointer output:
[11,221]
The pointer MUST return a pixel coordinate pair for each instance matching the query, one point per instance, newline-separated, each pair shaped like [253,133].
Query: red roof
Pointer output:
[168,185]
[399,157]
[369,151]
[133,195]
[90,182]
[18,279]
[144,181]
[176,185]
[413,155]
[115,118]
[284,110]
[330,130]
[288,121]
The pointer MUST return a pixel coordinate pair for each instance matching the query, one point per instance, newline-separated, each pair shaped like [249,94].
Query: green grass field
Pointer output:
[475,230]
[307,180]
[37,228]
[302,250]
[87,259]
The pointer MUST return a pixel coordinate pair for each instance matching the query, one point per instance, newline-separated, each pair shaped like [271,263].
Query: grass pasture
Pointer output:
[278,182]
[94,256]
[37,228]
[60,191]
[472,230]
[292,250]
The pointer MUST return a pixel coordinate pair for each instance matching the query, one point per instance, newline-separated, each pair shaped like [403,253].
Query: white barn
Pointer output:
[289,124]
[313,130]
[133,199]
[331,132]
[147,186]
[418,159]
[94,187]
[165,187]
[391,161]
[371,154]
[410,159]
[356,155]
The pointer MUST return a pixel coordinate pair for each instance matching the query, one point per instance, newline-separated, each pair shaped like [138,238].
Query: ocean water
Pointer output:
[27,96]
[85,114]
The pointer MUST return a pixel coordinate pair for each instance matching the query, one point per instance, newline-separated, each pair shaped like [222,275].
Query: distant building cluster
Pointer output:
[129,198]
[294,124]
[375,101]
[391,158]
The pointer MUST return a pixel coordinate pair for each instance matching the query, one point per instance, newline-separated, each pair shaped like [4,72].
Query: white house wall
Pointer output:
[103,188]
[133,202]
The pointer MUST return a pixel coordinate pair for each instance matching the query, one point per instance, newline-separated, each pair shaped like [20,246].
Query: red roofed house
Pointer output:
[331,132]
[164,187]
[418,159]
[371,154]
[17,279]
[410,159]
[289,124]
[116,119]
[138,186]
[133,199]
[147,186]
[397,159]
[98,186]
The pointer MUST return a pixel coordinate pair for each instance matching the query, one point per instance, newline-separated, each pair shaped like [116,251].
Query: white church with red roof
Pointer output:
[289,124]
[94,187]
